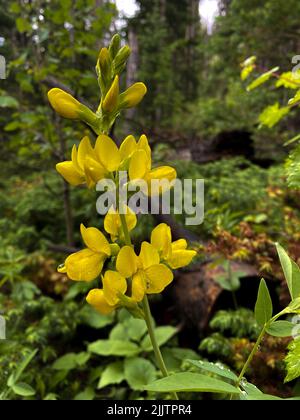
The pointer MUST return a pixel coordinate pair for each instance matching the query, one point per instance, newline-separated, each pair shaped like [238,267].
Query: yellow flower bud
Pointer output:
[111,100]
[114,45]
[133,95]
[121,58]
[104,64]
[64,104]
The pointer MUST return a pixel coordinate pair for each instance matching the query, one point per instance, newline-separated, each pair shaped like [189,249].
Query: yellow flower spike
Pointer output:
[86,265]
[128,147]
[113,285]
[175,254]
[96,299]
[113,224]
[111,100]
[148,275]
[108,153]
[64,104]
[133,95]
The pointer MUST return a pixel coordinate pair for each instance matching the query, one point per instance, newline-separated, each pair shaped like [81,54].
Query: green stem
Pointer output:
[252,354]
[147,312]
[125,230]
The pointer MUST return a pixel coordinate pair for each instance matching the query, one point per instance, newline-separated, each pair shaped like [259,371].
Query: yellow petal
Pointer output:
[108,153]
[179,245]
[94,171]
[112,222]
[84,150]
[84,265]
[148,255]
[111,100]
[95,240]
[143,144]
[113,285]
[163,172]
[75,159]
[64,103]
[139,165]
[161,239]
[128,147]
[127,262]
[158,277]
[181,258]
[161,180]
[131,219]
[133,96]
[138,287]
[69,172]
[97,300]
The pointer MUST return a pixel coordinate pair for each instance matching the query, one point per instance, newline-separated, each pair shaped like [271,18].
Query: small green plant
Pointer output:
[14,385]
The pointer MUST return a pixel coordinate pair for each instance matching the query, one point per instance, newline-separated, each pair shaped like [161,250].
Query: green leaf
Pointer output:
[87,395]
[93,319]
[23,25]
[262,397]
[291,272]
[281,329]
[294,306]
[191,382]
[292,360]
[23,365]
[51,397]
[136,328]
[112,375]
[263,308]
[162,334]
[289,80]
[114,348]
[8,102]
[295,99]
[217,369]
[22,389]
[262,79]
[139,372]
[273,114]
[231,283]
[71,361]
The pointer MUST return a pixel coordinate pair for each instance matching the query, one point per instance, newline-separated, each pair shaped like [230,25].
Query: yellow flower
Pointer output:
[147,274]
[133,95]
[96,299]
[113,225]
[86,265]
[106,300]
[64,104]
[68,107]
[73,171]
[175,254]
[140,168]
